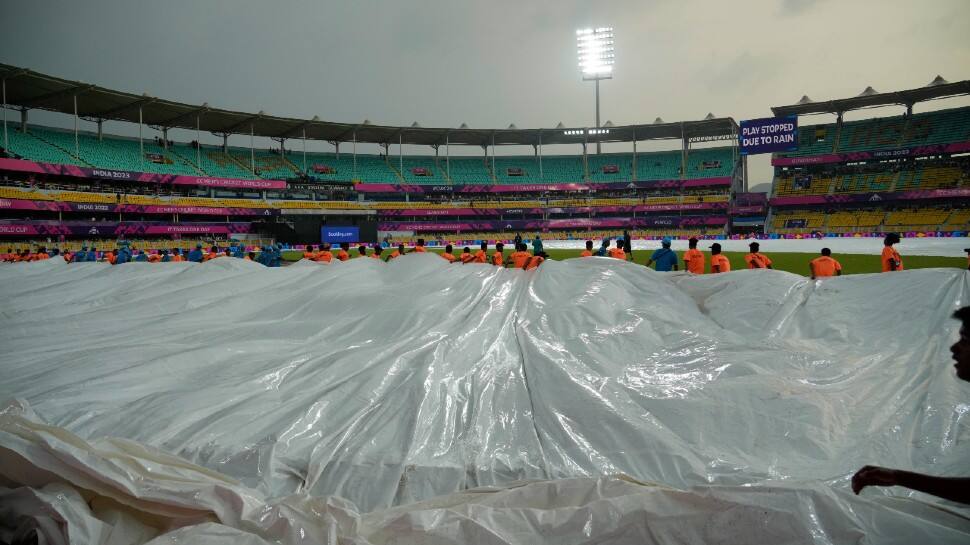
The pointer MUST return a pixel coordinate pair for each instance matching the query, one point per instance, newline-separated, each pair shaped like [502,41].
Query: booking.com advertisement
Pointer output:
[339,234]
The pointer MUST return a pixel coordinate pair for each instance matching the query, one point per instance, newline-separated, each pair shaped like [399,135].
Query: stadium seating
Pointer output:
[798,220]
[434,170]
[864,183]
[369,168]
[116,153]
[817,185]
[271,166]
[555,169]
[958,220]
[213,162]
[916,218]
[939,127]
[662,165]
[930,178]
[622,161]
[24,194]
[30,147]
[709,162]
[816,139]
[470,170]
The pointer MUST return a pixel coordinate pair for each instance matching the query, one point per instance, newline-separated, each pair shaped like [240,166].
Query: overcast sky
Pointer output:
[491,63]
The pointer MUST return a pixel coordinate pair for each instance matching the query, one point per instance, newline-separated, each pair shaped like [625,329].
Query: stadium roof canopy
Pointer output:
[869,98]
[26,90]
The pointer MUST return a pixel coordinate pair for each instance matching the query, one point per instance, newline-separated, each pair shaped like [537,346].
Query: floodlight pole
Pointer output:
[141,143]
[597,114]
[633,175]
[541,177]
[6,145]
[77,150]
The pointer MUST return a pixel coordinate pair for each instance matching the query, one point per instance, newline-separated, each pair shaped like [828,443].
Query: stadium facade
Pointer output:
[905,173]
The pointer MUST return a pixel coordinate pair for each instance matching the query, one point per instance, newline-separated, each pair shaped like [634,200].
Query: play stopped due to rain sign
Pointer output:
[768,135]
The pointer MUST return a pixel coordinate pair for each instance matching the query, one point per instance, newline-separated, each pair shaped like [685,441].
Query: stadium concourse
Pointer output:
[590,400]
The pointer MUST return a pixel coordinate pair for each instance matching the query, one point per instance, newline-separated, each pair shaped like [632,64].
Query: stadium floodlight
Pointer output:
[595,50]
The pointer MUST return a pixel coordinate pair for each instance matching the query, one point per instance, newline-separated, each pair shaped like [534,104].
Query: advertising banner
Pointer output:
[566,223]
[872,197]
[21,165]
[828,158]
[768,135]
[336,235]
[533,188]
[105,228]
[22,204]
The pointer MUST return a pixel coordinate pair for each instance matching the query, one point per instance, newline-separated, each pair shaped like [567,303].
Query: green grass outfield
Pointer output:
[786,261]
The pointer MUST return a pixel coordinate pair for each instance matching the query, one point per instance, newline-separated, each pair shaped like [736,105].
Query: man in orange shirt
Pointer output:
[396,253]
[756,260]
[362,250]
[825,266]
[466,256]
[41,254]
[498,259]
[520,256]
[419,247]
[719,262]
[618,252]
[588,252]
[481,255]
[324,255]
[537,260]
[448,255]
[113,257]
[342,254]
[377,252]
[310,253]
[154,258]
[890,257]
[693,258]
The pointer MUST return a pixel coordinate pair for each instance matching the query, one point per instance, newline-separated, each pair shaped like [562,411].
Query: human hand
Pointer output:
[873,476]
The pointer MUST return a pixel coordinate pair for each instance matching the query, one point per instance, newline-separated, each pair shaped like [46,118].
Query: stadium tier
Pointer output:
[921,129]
[897,173]
[854,179]
[57,146]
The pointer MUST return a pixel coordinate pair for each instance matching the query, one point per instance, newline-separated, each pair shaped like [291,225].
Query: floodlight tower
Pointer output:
[595,49]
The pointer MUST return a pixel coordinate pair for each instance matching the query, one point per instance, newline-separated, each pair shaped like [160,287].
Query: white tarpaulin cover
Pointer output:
[940,246]
[590,401]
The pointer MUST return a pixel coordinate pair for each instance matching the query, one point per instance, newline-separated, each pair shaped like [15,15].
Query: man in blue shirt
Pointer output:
[196,254]
[536,245]
[665,258]
[604,247]
[124,253]
[81,256]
